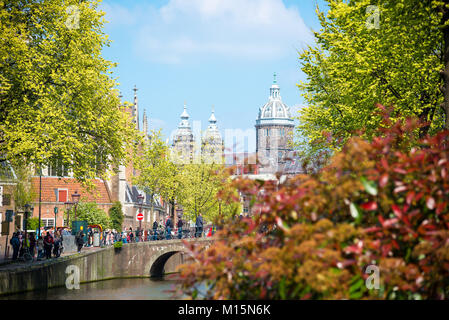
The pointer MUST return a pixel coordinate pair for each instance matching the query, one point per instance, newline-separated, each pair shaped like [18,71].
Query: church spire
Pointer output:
[212,118]
[274,90]
[136,108]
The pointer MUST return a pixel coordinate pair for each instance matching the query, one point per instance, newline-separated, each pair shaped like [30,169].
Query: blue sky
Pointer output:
[208,52]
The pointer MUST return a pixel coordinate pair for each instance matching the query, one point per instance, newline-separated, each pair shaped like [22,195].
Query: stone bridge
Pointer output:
[141,260]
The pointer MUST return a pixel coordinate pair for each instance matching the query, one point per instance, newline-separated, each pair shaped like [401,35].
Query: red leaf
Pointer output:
[395,244]
[441,206]
[410,197]
[400,189]
[399,170]
[419,196]
[388,223]
[372,229]
[369,206]
[397,211]
[383,180]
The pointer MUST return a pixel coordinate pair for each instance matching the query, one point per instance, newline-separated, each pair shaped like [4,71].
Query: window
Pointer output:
[6,201]
[57,169]
[48,222]
[267,132]
[62,195]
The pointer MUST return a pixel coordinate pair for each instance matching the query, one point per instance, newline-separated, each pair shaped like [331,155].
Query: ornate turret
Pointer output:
[183,139]
[212,141]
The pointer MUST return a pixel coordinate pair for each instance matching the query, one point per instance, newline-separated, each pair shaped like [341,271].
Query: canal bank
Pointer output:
[115,289]
[134,260]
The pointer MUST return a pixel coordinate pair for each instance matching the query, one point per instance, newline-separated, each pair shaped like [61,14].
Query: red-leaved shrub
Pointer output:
[382,203]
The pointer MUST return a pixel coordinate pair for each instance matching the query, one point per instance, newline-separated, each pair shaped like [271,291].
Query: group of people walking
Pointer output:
[44,246]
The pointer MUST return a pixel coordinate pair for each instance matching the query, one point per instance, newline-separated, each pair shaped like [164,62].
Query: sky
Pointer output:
[220,53]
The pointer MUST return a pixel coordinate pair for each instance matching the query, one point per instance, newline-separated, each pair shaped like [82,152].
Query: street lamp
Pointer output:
[55,210]
[75,199]
[27,211]
[140,201]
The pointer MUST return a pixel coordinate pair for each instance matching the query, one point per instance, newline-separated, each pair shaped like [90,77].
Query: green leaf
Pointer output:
[355,211]
[370,186]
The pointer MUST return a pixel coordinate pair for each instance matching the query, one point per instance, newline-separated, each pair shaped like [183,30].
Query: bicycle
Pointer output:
[26,256]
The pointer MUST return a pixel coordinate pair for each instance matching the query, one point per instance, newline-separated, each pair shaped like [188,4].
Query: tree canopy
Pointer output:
[90,212]
[388,52]
[57,97]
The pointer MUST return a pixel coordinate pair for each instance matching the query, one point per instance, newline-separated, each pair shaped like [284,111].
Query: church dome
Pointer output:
[274,111]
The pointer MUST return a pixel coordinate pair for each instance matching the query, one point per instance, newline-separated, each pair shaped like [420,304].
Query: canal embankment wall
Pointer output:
[132,260]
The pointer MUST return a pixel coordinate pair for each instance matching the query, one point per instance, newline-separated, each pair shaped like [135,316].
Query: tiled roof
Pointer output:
[50,185]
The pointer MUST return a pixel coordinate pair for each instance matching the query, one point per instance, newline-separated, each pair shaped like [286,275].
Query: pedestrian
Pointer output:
[155,226]
[57,245]
[180,228]
[40,247]
[79,239]
[48,244]
[20,236]
[168,226]
[131,235]
[15,245]
[32,244]
[199,226]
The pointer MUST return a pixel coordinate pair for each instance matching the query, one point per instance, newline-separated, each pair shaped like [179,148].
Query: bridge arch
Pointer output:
[155,266]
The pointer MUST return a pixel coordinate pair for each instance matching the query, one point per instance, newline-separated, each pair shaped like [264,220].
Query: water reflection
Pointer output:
[115,289]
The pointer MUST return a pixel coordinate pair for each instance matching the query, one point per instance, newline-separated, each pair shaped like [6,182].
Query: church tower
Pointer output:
[212,144]
[274,132]
[182,148]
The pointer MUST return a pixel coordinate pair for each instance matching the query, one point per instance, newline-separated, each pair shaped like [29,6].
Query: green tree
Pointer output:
[33,223]
[116,216]
[58,101]
[368,52]
[23,190]
[90,212]
[156,173]
[200,184]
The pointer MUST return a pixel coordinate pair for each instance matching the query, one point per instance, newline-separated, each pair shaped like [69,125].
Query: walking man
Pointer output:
[179,228]
[168,226]
[48,244]
[15,246]
[79,240]
[199,226]
[155,225]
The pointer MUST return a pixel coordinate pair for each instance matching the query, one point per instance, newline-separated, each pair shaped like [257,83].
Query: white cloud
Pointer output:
[183,30]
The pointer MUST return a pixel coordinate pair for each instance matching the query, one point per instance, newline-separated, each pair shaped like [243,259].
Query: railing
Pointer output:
[151,235]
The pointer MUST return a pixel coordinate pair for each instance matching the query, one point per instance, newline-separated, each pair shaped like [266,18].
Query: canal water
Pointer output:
[115,289]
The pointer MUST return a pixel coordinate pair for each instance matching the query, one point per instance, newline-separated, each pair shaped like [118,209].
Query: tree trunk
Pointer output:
[152,210]
[445,71]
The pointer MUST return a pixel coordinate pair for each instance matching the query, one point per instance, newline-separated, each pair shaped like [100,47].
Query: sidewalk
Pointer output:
[7,264]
